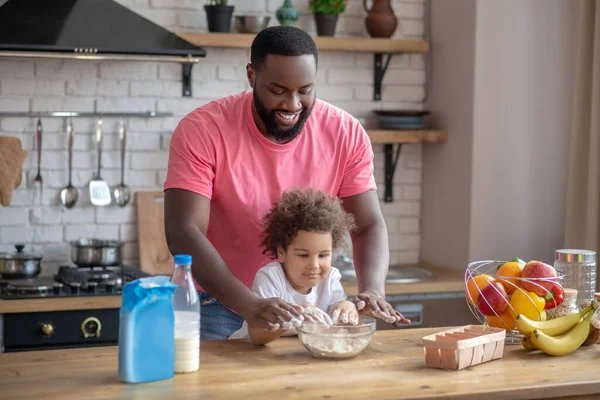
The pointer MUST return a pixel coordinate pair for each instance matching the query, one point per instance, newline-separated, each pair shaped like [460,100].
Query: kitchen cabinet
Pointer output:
[393,366]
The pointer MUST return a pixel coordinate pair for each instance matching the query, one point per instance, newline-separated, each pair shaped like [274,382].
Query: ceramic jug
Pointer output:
[381,20]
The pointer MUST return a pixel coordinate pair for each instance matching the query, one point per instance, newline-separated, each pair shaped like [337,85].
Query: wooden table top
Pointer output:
[392,367]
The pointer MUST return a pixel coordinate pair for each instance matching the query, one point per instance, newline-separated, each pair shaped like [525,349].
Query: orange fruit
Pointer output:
[511,269]
[474,286]
[504,320]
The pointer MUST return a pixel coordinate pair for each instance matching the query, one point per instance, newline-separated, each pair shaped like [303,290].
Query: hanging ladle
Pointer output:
[121,192]
[69,195]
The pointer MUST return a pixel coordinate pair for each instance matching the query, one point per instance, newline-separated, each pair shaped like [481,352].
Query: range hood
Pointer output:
[90,30]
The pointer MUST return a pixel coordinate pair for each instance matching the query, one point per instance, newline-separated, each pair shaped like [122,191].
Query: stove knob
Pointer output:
[91,327]
[75,286]
[58,287]
[47,329]
[93,287]
[110,286]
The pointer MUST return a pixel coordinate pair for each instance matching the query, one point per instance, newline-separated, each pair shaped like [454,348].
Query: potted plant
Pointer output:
[218,15]
[326,14]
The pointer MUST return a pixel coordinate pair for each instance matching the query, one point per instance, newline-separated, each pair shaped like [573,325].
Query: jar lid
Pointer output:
[19,254]
[568,292]
[573,255]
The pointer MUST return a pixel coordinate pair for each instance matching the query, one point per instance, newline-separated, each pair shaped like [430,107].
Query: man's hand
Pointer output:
[376,306]
[274,314]
[344,312]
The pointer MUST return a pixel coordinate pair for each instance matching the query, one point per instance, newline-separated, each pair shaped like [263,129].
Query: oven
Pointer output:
[60,329]
[37,326]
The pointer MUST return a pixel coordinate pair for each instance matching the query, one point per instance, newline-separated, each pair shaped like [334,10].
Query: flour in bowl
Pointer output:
[334,347]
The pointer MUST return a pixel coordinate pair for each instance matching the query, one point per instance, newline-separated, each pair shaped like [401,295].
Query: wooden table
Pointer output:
[391,368]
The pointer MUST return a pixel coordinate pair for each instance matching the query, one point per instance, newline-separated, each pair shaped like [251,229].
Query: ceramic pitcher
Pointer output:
[381,20]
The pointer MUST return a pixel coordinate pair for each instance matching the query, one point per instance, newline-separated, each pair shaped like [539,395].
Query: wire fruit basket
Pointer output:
[495,297]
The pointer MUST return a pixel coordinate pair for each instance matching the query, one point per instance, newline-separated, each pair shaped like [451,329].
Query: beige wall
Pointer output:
[447,168]
[507,155]
[525,55]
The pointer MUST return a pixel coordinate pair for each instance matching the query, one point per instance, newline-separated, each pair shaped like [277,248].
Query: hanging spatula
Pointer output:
[99,190]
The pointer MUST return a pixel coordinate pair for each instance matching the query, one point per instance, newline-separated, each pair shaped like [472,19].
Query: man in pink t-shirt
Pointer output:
[232,158]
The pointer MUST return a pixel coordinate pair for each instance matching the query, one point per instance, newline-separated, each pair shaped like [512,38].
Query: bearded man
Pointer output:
[232,158]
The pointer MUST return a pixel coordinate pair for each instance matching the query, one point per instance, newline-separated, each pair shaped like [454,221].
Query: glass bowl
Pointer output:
[337,341]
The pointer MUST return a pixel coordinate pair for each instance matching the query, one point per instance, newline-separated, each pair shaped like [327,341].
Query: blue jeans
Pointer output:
[217,322]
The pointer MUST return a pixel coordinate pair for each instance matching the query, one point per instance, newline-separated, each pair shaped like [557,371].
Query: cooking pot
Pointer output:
[20,265]
[96,252]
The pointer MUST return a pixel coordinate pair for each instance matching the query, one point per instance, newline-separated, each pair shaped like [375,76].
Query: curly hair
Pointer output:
[307,210]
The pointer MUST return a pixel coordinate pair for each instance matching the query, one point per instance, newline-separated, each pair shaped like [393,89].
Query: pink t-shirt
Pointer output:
[218,152]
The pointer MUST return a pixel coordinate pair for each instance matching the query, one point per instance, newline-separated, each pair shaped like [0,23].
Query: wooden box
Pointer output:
[463,347]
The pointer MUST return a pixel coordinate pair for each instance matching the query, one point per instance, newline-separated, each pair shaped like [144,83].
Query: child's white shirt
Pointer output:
[270,281]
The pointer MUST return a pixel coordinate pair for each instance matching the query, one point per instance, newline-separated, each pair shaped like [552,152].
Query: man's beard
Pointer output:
[268,118]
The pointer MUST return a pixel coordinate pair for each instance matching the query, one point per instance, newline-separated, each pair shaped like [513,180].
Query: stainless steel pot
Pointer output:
[96,252]
[20,265]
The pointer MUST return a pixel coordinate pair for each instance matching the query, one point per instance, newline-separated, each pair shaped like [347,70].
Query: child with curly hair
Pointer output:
[301,231]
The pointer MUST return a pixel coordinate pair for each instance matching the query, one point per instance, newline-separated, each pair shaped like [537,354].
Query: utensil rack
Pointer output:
[76,114]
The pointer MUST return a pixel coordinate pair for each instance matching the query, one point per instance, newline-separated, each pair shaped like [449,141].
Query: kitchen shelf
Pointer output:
[359,44]
[382,48]
[389,138]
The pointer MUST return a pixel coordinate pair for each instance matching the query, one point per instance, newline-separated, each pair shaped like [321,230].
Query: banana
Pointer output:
[526,343]
[564,344]
[553,327]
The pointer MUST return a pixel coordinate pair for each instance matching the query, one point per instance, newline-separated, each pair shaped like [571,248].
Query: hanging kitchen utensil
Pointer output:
[122,193]
[38,182]
[69,195]
[99,190]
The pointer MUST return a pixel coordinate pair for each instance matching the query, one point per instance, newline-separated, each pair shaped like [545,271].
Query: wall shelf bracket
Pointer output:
[186,79]
[390,162]
[379,69]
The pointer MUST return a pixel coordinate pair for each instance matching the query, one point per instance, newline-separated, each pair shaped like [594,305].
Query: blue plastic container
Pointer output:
[146,331]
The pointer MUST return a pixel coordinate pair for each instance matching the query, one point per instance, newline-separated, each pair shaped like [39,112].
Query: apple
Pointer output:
[542,275]
[493,299]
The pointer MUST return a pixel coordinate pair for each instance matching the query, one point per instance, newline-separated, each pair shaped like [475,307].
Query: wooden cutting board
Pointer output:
[155,257]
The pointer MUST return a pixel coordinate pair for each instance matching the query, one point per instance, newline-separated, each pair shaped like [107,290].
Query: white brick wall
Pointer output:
[344,79]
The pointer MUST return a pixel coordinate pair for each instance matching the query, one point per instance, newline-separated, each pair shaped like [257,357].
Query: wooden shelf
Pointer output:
[383,136]
[358,44]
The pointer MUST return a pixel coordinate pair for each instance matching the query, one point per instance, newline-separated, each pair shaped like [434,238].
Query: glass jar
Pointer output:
[594,334]
[568,306]
[578,268]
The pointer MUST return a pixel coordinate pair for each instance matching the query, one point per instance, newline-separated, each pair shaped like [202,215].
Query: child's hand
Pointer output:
[344,312]
[315,315]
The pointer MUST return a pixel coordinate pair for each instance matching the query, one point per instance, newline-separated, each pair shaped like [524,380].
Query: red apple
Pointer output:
[536,270]
[493,299]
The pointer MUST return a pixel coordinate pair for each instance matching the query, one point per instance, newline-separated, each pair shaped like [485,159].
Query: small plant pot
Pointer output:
[219,18]
[326,24]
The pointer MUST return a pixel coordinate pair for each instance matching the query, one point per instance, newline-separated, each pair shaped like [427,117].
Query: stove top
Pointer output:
[72,281]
